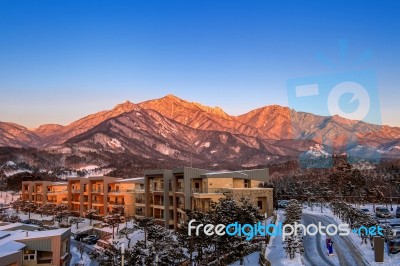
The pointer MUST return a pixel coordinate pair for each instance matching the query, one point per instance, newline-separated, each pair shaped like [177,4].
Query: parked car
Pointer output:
[103,225]
[26,221]
[398,212]
[366,211]
[383,212]
[80,236]
[282,204]
[91,239]
[394,246]
[396,232]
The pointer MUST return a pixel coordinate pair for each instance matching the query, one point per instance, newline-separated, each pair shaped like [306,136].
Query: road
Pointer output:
[76,256]
[315,249]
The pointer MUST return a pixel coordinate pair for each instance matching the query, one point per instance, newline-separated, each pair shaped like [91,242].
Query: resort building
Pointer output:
[169,192]
[43,192]
[22,244]
[162,194]
[103,193]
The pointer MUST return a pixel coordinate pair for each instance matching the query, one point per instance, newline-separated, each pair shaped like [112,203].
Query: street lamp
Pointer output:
[122,254]
[265,226]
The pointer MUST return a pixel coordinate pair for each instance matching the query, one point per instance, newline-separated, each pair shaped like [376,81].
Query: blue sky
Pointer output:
[61,60]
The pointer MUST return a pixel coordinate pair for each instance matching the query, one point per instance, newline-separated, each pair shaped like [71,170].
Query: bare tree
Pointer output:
[128,233]
[144,223]
[90,214]
[112,220]
[29,207]
[17,205]
[76,220]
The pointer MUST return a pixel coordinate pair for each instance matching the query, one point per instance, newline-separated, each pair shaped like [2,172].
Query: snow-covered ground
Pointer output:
[249,260]
[275,252]
[6,198]
[364,249]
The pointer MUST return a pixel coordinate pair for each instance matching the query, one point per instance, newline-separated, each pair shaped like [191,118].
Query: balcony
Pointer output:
[59,191]
[52,201]
[140,201]
[97,190]
[76,191]
[116,202]
[179,189]
[140,213]
[159,217]
[157,189]
[180,206]
[139,190]
[210,190]
[158,203]
[121,191]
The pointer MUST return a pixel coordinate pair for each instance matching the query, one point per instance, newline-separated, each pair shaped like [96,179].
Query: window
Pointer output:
[29,255]
[260,204]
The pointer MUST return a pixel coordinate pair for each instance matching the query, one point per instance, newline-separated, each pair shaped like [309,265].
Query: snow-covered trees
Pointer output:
[110,256]
[112,220]
[128,233]
[144,223]
[165,247]
[205,249]
[61,214]
[293,243]
[162,247]
[17,205]
[90,214]
[354,217]
[25,206]
[76,220]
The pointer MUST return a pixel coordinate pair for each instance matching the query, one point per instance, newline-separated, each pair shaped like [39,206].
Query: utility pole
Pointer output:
[122,254]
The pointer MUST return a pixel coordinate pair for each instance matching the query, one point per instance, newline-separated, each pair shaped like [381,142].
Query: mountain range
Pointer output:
[173,131]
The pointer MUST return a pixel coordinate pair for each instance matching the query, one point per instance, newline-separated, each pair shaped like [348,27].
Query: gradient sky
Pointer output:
[61,60]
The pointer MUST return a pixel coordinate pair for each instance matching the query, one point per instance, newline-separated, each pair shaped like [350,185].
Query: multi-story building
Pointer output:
[22,244]
[103,193]
[169,192]
[42,192]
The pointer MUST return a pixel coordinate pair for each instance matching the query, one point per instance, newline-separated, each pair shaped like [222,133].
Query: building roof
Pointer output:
[11,246]
[11,236]
[131,180]
[256,174]
[16,226]
[59,183]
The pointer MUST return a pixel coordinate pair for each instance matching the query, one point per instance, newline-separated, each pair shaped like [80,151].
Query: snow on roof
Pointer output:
[225,172]
[6,253]
[59,183]
[12,246]
[12,226]
[10,236]
[40,234]
[135,179]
